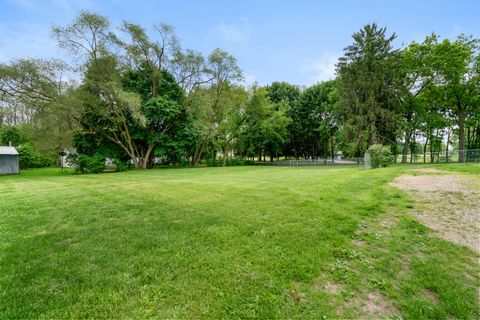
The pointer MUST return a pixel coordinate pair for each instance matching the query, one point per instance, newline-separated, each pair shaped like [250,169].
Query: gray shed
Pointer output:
[9,161]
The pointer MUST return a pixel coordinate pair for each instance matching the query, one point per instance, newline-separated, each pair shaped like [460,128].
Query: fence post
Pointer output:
[368,164]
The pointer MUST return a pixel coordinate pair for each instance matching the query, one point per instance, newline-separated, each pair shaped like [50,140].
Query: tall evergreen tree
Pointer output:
[366,82]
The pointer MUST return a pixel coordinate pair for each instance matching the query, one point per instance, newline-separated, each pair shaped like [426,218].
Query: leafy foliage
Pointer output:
[367,84]
[29,157]
[87,164]
[314,120]
[12,135]
[380,156]
[136,94]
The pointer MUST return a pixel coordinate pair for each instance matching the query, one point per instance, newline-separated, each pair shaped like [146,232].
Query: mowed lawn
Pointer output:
[238,242]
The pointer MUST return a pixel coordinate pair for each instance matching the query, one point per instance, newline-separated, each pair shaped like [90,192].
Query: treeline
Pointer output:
[130,96]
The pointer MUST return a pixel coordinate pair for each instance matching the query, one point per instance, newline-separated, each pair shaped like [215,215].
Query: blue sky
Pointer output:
[296,41]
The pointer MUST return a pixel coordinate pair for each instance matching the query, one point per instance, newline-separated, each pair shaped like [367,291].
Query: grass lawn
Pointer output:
[237,242]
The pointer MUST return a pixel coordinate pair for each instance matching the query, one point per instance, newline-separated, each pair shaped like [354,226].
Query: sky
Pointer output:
[298,41]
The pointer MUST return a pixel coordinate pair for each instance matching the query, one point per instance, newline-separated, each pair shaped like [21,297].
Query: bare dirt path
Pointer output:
[448,203]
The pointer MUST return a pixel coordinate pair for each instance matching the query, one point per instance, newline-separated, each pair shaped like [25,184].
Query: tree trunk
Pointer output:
[224,157]
[425,150]
[332,141]
[413,147]
[405,147]
[448,143]
[468,138]
[461,135]
[197,155]
[138,163]
[373,135]
[148,157]
[325,151]
[431,146]
[144,163]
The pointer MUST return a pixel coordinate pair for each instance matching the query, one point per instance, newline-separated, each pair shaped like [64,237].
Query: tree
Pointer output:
[34,94]
[13,135]
[129,100]
[275,129]
[28,85]
[108,110]
[264,125]
[415,77]
[216,103]
[115,110]
[150,56]
[286,95]
[283,91]
[366,81]
[459,76]
[88,36]
[314,120]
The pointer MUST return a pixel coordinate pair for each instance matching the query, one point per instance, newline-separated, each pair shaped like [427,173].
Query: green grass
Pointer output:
[237,242]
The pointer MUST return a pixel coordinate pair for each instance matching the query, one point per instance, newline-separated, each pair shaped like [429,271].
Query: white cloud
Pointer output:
[236,33]
[321,68]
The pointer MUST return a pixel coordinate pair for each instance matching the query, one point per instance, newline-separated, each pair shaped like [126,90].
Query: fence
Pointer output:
[472,155]
[418,158]
[316,162]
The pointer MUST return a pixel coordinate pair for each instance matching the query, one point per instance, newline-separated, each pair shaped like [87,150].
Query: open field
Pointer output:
[237,242]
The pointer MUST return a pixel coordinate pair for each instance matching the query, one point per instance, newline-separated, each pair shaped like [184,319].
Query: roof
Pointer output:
[8,151]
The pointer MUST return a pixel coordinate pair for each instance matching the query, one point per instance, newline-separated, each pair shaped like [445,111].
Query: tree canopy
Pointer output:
[134,94]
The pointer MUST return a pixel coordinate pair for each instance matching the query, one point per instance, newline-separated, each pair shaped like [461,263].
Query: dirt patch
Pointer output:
[432,296]
[358,242]
[296,296]
[377,306]
[434,183]
[449,204]
[333,288]
[388,222]
[426,170]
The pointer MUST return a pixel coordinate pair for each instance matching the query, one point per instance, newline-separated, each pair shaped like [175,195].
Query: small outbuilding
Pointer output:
[9,161]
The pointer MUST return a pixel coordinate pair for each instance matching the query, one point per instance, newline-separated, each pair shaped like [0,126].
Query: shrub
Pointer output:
[238,162]
[30,158]
[120,165]
[213,163]
[12,134]
[230,162]
[87,164]
[380,156]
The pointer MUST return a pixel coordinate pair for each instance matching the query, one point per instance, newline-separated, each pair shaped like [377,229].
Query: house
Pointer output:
[63,157]
[9,161]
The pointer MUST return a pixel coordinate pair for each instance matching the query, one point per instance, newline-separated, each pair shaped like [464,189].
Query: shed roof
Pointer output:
[8,151]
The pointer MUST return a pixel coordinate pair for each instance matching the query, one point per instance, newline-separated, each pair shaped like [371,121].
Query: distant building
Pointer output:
[9,161]
[63,158]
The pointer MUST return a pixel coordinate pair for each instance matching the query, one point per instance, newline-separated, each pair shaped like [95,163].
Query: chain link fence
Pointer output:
[472,155]
[452,156]
[315,162]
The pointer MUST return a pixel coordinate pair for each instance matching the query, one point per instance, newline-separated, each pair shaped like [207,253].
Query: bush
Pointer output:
[120,165]
[238,162]
[30,158]
[380,156]
[12,134]
[230,162]
[87,164]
